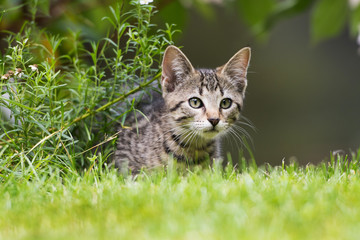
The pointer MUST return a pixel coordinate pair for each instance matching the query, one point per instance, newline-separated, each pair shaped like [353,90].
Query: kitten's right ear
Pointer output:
[175,68]
[236,68]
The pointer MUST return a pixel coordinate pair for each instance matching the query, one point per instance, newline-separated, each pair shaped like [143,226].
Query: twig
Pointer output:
[105,141]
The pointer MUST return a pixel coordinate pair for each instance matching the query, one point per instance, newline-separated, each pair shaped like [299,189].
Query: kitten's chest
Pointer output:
[191,150]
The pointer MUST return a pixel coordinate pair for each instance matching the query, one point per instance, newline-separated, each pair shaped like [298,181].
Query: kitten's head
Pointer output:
[205,101]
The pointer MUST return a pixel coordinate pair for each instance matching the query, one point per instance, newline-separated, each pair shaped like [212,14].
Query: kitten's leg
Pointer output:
[217,160]
[122,164]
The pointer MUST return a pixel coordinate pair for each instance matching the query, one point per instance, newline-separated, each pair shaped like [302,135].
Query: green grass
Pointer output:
[289,202]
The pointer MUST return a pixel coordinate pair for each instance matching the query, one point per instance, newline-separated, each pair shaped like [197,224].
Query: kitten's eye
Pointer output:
[195,102]
[225,103]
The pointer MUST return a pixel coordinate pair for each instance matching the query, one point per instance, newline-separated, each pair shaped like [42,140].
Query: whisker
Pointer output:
[189,138]
[246,122]
[238,139]
[179,130]
[243,132]
[189,133]
[192,137]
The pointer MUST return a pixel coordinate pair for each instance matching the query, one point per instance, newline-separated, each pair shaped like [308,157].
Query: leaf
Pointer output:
[20,105]
[255,13]
[111,42]
[328,19]
[355,21]
[286,9]
[1,15]
[44,7]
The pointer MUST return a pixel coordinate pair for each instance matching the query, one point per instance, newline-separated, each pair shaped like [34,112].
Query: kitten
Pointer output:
[196,108]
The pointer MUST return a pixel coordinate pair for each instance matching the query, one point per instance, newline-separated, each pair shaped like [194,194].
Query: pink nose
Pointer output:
[213,121]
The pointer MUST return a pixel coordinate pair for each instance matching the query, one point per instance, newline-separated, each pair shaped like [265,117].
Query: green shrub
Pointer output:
[61,91]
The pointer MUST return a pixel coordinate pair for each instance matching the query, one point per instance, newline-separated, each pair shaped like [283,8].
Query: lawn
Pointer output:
[288,202]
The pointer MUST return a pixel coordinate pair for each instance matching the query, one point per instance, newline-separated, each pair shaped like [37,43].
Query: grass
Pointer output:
[289,202]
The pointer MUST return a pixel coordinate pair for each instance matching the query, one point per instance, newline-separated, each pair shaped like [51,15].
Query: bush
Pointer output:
[58,93]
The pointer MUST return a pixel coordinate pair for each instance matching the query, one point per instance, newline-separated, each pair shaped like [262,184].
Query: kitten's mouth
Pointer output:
[210,134]
[212,130]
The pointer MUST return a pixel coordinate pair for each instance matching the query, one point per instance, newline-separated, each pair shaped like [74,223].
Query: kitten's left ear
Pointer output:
[175,68]
[236,68]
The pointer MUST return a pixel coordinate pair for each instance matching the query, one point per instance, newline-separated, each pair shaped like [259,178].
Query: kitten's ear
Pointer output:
[236,68]
[175,67]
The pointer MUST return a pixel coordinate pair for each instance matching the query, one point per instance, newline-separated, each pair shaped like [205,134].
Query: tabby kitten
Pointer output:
[196,108]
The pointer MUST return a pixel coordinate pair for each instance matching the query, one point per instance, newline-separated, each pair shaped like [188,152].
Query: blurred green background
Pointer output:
[303,98]
[304,78]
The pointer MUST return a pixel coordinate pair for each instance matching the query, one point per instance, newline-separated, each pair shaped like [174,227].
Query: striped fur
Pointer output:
[173,128]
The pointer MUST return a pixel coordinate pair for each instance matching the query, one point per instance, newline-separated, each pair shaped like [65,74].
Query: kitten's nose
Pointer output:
[214,121]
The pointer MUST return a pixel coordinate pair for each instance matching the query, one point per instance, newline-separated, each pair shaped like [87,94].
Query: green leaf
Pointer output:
[20,105]
[44,6]
[1,14]
[286,9]
[255,13]
[355,21]
[328,19]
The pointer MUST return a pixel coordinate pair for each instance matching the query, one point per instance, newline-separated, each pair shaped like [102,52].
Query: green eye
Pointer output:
[225,103]
[195,102]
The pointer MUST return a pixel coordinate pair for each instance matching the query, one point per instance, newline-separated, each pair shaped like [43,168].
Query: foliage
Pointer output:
[286,202]
[329,18]
[52,86]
